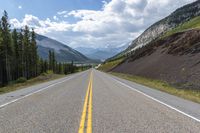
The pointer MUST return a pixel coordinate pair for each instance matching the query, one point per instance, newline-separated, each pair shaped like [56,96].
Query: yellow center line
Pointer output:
[89,124]
[87,107]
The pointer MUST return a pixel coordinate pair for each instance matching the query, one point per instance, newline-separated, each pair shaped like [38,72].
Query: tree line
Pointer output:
[56,67]
[19,57]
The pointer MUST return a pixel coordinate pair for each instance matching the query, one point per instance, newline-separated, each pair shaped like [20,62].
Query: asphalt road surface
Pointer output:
[92,101]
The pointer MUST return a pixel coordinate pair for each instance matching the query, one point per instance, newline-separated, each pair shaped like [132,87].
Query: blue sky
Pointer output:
[46,8]
[89,23]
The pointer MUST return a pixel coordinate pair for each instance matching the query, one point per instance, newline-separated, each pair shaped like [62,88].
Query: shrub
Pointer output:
[21,80]
[49,72]
[43,74]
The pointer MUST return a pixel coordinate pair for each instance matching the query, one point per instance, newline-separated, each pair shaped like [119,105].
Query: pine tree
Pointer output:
[72,67]
[41,66]
[50,60]
[53,61]
[7,49]
[33,56]
[60,69]
[45,66]
[21,55]
[16,54]
[1,57]
[27,55]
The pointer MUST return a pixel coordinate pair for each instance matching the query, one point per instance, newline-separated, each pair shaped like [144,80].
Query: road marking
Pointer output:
[87,109]
[51,85]
[89,124]
[83,116]
[165,104]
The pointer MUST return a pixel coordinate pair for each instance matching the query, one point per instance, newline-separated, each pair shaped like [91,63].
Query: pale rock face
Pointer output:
[149,35]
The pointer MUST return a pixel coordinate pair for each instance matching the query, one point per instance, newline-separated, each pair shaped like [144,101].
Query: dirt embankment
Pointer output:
[175,59]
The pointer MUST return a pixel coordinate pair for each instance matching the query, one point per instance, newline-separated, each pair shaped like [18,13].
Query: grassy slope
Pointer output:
[192,95]
[40,79]
[109,65]
[192,24]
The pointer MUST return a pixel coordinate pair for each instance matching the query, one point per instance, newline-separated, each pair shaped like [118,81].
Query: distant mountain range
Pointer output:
[63,52]
[101,53]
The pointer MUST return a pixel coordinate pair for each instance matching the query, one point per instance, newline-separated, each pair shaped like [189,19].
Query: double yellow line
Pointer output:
[87,109]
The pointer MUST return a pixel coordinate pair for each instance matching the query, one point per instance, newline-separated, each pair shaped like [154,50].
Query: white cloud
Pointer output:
[41,26]
[62,12]
[55,18]
[19,7]
[117,22]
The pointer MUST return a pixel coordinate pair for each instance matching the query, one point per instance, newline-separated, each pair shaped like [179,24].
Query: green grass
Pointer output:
[192,95]
[40,79]
[109,65]
[192,24]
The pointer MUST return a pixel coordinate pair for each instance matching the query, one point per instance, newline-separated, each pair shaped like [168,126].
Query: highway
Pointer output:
[93,101]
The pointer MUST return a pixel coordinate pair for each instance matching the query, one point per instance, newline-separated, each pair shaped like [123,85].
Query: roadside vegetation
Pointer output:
[192,24]
[23,83]
[193,95]
[106,66]
[49,75]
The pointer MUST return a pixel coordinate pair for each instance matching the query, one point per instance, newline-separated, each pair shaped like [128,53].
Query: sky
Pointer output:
[89,23]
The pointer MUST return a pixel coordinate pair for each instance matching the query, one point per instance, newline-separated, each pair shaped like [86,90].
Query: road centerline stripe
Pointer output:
[87,107]
[89,122]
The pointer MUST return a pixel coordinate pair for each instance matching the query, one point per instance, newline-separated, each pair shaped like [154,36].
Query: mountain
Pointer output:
[173,56]
[102,53]
[63,52]
[178,17]
[174,59]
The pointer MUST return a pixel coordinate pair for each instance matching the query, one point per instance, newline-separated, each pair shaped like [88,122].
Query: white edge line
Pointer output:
[51,85]
[167,105]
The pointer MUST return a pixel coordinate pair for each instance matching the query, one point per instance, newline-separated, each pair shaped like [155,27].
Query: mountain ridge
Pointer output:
[63,52]
[179,16]
[102,53]
[173,57]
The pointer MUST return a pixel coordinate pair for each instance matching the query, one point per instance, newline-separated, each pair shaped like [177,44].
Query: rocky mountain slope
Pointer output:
[178,17]
[172,56]
[174,59]
[63,52]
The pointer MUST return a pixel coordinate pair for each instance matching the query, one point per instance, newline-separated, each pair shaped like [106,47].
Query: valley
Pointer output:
[114,66]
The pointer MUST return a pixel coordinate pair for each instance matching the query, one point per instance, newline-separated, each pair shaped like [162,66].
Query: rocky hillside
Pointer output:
[178,17]
[169,50]
[62,51]
[174,59]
